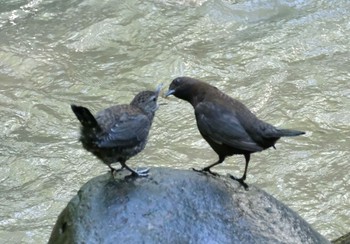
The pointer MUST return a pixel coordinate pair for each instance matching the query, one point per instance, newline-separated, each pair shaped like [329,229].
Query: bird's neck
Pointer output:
[150,116]
[148,113]
[195,100]
[194,96]
[202,93]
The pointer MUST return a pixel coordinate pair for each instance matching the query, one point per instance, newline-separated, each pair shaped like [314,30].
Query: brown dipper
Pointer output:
[119,132]
[225,123]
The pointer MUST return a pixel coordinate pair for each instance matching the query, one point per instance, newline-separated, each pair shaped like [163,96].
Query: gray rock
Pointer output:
[177,206]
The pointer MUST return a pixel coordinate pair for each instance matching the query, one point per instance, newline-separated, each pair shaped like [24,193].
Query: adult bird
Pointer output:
[119,132]
[225,123]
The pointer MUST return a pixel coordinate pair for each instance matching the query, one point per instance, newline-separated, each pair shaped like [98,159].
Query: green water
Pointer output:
[289,61]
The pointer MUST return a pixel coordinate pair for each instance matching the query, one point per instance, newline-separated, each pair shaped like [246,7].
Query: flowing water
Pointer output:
[289,61]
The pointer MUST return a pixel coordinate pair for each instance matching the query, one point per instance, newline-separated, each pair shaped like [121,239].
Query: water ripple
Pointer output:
[286,60]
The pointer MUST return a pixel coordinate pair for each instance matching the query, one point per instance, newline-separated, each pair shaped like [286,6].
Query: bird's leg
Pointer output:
[139,173]
[207,169]
[242,179]
[112,170]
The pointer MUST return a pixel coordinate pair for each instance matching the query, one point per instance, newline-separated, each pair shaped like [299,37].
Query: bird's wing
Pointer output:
[126,130]
[223,127]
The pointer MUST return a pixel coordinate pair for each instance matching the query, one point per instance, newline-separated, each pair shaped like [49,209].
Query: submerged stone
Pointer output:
[177,206]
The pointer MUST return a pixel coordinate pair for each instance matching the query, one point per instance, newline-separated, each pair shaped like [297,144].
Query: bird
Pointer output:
[119,132]
[227,125]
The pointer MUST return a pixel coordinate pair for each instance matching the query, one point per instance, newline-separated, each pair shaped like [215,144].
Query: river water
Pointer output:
[289,61]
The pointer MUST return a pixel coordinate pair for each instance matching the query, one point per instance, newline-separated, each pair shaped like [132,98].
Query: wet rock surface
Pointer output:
[177,206]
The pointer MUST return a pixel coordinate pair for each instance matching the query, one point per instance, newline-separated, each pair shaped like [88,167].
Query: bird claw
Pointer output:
[241,181]
[205,170]
[143,172]
[140,173]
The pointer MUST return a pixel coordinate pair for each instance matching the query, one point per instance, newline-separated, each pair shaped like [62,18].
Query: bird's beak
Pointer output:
[170,92]
[159,87]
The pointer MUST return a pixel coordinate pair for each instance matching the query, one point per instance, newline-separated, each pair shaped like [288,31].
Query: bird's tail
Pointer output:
[287,132]
[85,117]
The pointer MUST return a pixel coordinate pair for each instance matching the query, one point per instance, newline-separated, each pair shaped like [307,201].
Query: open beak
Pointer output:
[169,92]
[159,87]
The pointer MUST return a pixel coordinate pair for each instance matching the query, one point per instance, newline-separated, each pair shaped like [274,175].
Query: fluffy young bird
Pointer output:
[225,123]
[119,132]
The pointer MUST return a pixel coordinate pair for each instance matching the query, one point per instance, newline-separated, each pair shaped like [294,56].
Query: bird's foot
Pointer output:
[140,173]
[241,181]
[205,170]
[143,172]
[114,171]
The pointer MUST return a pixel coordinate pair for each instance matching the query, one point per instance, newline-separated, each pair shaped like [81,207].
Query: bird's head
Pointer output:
[186,88]
[147,100]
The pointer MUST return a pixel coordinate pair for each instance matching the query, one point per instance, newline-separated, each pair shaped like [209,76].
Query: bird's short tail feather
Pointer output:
[85,117]
[286,132]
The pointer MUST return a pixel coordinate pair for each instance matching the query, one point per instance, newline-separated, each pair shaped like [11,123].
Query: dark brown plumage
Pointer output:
[119,132]
[225,123]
